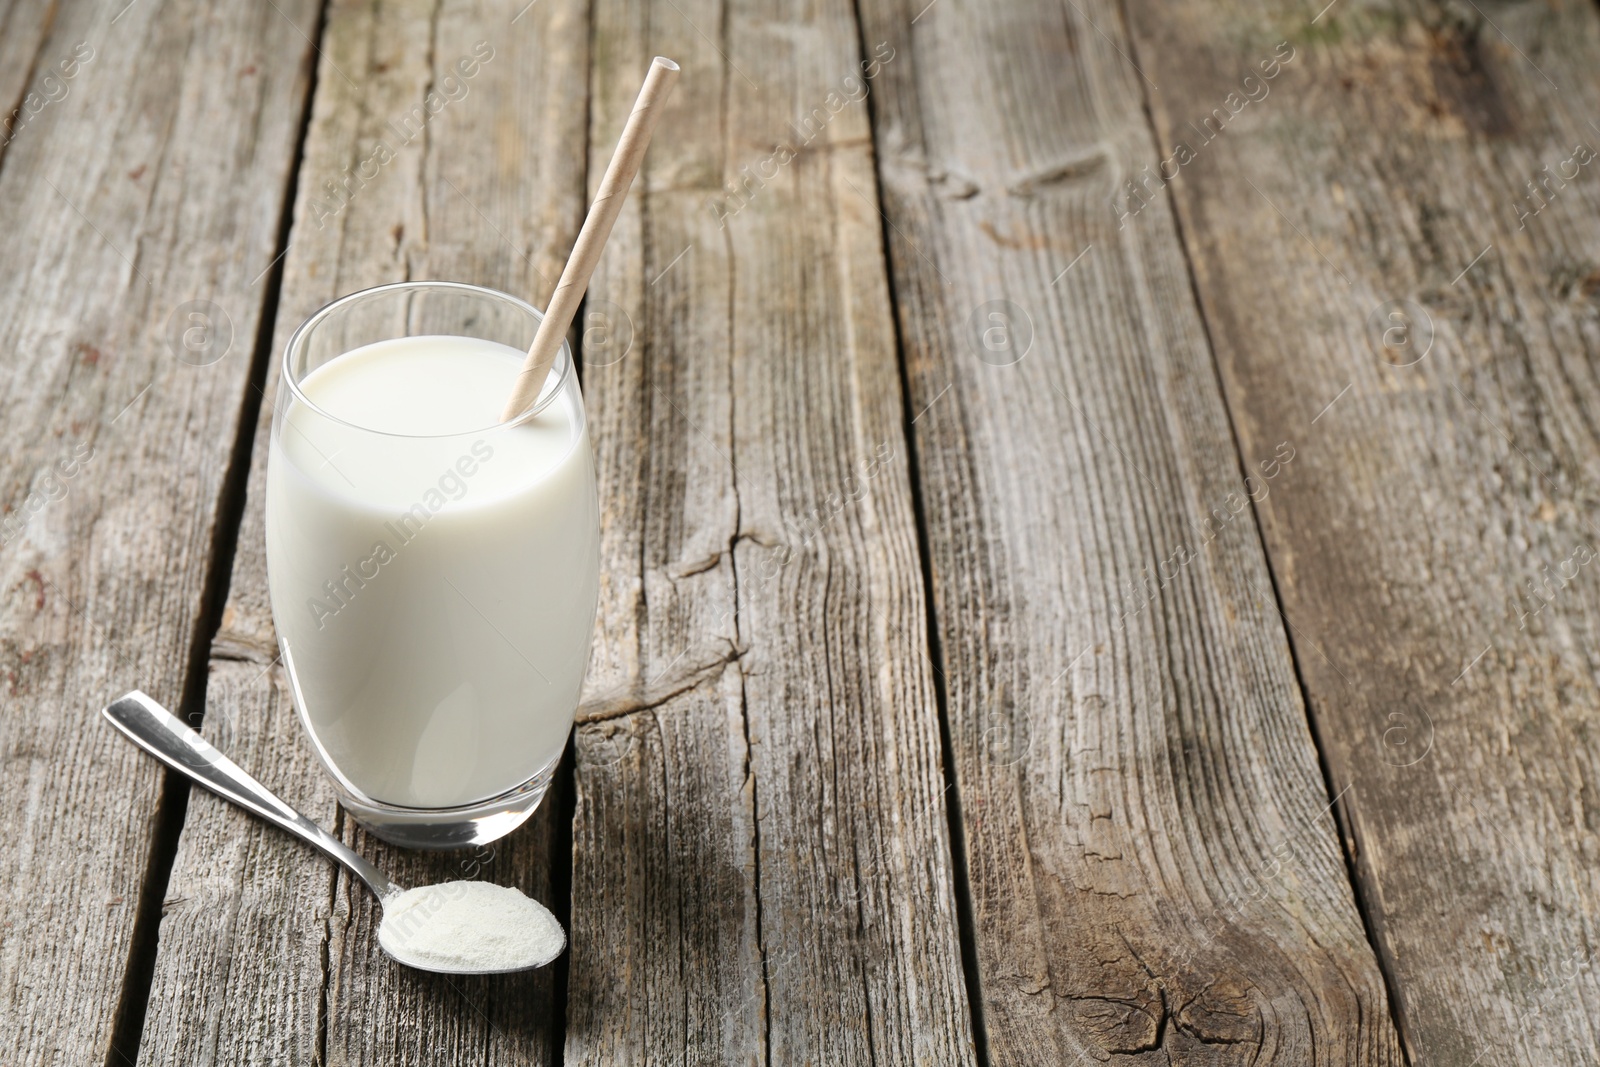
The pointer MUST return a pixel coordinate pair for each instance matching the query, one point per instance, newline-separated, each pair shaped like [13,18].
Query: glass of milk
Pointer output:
[433,570]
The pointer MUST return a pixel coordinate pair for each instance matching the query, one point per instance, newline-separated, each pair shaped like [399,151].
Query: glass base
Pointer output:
[445,828]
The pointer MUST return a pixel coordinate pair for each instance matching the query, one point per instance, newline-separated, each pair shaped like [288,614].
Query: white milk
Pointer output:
[434,595]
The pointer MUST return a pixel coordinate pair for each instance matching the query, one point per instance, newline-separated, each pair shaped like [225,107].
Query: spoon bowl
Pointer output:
[167,738]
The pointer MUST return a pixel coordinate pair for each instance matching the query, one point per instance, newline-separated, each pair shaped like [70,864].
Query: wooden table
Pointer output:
[1099,510]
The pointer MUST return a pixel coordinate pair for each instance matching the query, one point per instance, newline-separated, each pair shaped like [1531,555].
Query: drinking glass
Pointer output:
[434,594]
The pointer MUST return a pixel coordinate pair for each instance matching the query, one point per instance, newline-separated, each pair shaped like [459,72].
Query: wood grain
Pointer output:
[265,955]
[156,178]
[1155,875]
[761,871]
[1432,542]
[25,94]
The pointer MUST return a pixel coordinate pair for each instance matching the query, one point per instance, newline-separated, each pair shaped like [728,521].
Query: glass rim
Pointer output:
[560,370]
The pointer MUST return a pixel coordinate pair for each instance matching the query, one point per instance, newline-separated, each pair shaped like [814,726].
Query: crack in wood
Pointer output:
[640,695]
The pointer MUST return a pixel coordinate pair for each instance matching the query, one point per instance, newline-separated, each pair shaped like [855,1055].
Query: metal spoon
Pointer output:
[163,735]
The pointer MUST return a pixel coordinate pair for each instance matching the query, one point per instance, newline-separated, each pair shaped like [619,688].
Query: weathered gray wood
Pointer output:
[1391,161]
[156,179]
[761,866]
[264,956]
[25,92]
[1155,876]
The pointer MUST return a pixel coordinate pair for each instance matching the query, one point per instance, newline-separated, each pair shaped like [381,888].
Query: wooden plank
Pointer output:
[156,179]
[761,871]
[1432,541]
[266,957]
[1155,876]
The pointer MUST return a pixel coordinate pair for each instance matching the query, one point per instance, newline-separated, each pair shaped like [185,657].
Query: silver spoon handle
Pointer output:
[163,735]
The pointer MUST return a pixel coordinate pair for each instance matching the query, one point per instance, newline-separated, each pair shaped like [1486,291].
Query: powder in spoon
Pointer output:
[469,927]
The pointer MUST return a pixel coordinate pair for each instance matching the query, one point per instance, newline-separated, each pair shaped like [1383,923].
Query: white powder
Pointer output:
[469,927]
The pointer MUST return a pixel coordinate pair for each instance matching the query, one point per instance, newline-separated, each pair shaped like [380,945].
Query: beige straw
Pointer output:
[592,238]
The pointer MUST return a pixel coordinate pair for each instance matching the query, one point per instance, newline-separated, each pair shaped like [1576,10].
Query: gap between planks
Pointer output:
[1342,823]
[966,926]
[127,1026]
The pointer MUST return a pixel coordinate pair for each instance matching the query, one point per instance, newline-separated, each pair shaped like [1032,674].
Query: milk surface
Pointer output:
[433,574]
